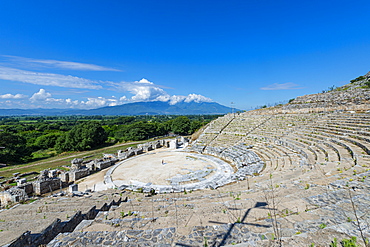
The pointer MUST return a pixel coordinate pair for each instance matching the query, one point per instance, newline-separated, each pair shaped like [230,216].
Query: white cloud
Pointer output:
[281,86]
[46,79]
[41,95]
[176,99]
[11,96]
[144,81]
[59,64]
[191,97]
[100,102]
[72,102]
[97,102]
[44,99]
[197,98]
[143,90]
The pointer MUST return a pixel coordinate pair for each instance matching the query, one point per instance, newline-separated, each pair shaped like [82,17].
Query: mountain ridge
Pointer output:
[137,108]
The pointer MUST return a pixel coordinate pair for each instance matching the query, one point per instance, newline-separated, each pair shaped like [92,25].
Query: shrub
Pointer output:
[322,225]
[360,78]
[352,242]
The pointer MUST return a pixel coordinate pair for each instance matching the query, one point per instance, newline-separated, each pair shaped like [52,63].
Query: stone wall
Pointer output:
[5,197]
[12,195]
[28,188]
[46,186]
[75,175]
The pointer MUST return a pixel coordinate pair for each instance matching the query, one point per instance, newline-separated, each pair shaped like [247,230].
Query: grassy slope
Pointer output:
[62,160]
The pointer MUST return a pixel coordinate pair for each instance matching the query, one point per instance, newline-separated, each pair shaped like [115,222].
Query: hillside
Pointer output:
[354,96]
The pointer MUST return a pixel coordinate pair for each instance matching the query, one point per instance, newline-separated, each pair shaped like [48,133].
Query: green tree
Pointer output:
[82,137]
[13,148]
[181,125]
[47,141]
[136,134]
[194,126]
[124,120]
[142,130]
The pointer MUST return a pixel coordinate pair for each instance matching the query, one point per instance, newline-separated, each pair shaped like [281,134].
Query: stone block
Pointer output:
[53,174]
[21,181]
[72,188]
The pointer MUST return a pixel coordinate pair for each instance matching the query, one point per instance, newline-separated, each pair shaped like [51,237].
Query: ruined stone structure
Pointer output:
[51,180]
[301,177]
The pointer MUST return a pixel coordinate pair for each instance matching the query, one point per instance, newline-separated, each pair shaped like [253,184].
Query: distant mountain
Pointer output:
[139,108]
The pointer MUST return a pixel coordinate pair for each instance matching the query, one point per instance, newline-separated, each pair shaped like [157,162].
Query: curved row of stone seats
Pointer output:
[334,140]
[358,143]
[330,148]
[344,151]
[305,146]
[225,139]
[285,143]
[245,160]
[347,136]
[229,129]
[268,157]
[350,117]
[304,136]
[217,125]
[348,143]
[315,146]
[243,125]
[279,126]
[299,128]
[222,125]
[359,140]
[204,139]
[261,122]
[240,155]
[282,156]
[355,132]
[346,126]
[315,153]
[198,148]
[277,156]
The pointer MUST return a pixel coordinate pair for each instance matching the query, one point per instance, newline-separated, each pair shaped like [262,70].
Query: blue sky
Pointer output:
[88,54]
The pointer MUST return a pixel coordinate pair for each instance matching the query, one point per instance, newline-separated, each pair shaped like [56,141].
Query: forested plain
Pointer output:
[29,138]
